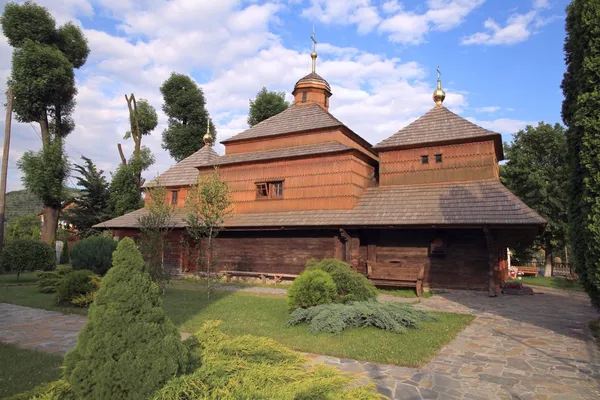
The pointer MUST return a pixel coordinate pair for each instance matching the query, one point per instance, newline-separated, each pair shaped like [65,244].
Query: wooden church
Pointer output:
[304,185]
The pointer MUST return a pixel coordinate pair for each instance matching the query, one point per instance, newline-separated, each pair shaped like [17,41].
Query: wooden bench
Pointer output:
[528,271]
[396,273]
[262,275]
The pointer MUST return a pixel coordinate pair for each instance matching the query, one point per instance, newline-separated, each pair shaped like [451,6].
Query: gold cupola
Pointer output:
[312,88]
[439,95]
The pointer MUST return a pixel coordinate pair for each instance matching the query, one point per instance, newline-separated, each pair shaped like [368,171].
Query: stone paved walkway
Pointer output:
[518,347]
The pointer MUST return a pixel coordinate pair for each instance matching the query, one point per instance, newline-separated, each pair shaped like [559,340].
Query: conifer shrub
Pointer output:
[250,367]
[94,253]
[311,288]
[334,318]
[76,284]
[351,286]
[27,254]
[48,281]
[129,348]
[64,254]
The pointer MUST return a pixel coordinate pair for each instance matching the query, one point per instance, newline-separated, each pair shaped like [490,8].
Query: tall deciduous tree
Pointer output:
[265,105]
[185,107]
[208,207]
[43,84]
[92,205]
[537,172]
[581,88]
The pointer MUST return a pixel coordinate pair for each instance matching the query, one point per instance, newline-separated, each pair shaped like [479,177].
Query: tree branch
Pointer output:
[123,159]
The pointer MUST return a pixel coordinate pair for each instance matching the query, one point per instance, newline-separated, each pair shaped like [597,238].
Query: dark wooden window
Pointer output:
[438,158]
[437,247]
[326,100]
[304,97]
[174,196]
[269,190]
[262,190]
[424,159]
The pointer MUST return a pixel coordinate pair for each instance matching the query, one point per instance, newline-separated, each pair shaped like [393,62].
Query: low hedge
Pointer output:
[27,254]
[48,281]
[78,288]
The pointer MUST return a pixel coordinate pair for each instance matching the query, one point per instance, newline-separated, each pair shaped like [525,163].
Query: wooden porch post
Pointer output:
[347,241]
[493,265]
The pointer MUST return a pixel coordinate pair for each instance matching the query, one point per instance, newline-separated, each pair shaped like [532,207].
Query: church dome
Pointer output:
[312,80]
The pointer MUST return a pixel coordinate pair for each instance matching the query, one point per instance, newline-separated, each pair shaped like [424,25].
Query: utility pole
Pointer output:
[7,122]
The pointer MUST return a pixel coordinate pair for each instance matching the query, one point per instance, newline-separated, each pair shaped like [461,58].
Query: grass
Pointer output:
[555,282]
[22,370]
[25,278]
[405,292]
[30,296]
[246,313]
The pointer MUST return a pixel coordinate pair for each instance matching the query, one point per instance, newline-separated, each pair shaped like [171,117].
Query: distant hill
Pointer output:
[22,202]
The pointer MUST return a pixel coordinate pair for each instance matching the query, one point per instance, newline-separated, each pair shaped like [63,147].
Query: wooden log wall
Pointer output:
[460,162]
[315,183]
[295,139]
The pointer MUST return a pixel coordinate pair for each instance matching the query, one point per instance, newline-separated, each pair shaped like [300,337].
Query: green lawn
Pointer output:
[557,283]
[22,370]
[25,278]
[245,313]
[30,296]
[263,315]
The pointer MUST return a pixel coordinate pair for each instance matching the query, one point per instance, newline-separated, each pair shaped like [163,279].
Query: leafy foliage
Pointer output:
[27,254]
[208,206]
[128,349]
[43,84]
[311,288]
[537,172]
[185,107]
[155,225]
[334,318]
[249,367]
[124,194]
[25,226]
[44,173]
[77,285]
[580,113]
[94,253]
[48,281]
[265,105]
[351,286]
[92,205]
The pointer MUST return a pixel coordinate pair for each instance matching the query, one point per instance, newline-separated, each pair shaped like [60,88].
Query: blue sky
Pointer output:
[501,61]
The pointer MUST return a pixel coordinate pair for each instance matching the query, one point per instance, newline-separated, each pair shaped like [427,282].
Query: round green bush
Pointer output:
[48,281]
[27,254]
[74,284]
[94,253]
[129,348]
[311,288]
[351,286]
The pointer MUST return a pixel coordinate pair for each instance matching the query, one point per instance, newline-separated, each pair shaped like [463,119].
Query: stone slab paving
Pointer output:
[35,329]
[518,347]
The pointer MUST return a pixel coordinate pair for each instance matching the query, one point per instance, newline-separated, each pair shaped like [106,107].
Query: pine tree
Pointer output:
[129,348]
[92,205]
[581,88]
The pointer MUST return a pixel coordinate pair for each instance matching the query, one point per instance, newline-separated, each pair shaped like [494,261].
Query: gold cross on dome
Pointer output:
[314,39]
[438,71]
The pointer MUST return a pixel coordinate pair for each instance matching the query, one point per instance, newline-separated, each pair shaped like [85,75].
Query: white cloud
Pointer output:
[344,12]
[518,28]
[391,6]
[411,27]
[488,109]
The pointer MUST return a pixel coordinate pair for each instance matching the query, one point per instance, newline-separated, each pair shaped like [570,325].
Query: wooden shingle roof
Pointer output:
[286,152]
[477,203]
[185,172]
[296,118]
[437,125]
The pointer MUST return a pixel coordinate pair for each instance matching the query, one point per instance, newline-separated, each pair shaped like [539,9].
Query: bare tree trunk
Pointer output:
[548,259]
[123,159]
[51,215]
[45,128]
[5,154]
